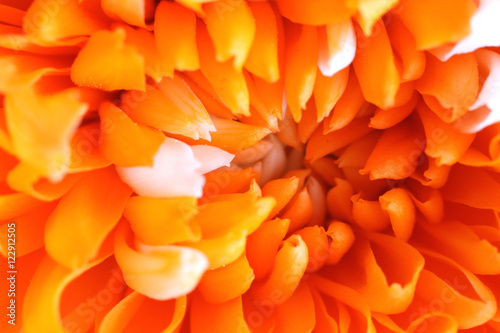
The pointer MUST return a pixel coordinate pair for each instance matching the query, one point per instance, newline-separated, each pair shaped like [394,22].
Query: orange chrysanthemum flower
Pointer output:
[250,166]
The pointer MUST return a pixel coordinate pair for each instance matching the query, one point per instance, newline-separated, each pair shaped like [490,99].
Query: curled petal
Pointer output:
[398,204]
[225,283]
[289,267]
[161,272]
[263,245]
[94,205]
[130,312]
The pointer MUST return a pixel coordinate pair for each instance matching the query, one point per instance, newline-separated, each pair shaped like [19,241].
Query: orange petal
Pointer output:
[106,70]
[446,21]
[301,59]
[341,239]
[384,119]
[144,43]
[282,190]
[30,228]
[16,204]
[263,245]
[48,23]
[370,268]
[262,59]
[41,128]
[348,106]
[125,143]
[405,46]
[406,142]
[371,11]
[175,36]
[320,145]
[453,83]
[444,142]
[170,106]
[223,250]
[348,297]
[161,272]
[162,221]
[134,12]
[296,314]
[398,204]
[23,70]
[225,283]
[328,91]
[94,205]
[232,28]
[129,315]
[317,243]
[228,82]
[227,181]
[318,12]
[245,213]
[42,300]
[24,178]
[28,265]
[234,136]
[85,153]
[458,292]
[224,317]
[459,242]
[337,47]
[375,67]
[328,169]
[369,215]
[299,211]
[289,266]
[338,200]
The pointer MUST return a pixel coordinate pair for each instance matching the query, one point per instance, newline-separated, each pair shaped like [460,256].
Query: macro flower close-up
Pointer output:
[237,166]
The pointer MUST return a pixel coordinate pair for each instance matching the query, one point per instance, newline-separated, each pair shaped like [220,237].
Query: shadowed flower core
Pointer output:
[230,166]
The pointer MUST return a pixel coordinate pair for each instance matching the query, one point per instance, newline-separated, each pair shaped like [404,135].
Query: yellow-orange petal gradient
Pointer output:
[250,166]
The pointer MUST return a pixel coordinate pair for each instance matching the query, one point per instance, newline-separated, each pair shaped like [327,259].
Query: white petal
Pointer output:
[337,48]
[485,26]
[175,172]
[488,98]
[211,158]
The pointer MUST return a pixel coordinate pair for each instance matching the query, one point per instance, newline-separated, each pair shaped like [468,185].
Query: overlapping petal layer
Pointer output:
[250,166]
